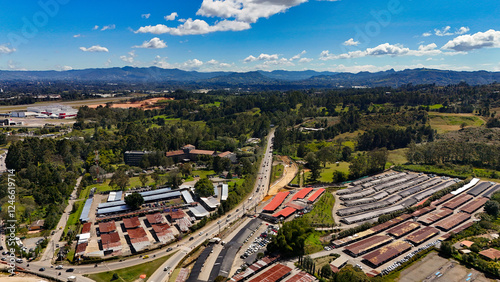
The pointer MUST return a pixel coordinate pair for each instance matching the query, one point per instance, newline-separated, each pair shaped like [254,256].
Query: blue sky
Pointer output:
[246,35]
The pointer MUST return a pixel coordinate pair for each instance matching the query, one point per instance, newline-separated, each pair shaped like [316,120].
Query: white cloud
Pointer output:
[14,66]
[77,35]
[261,57]
[154,43]
[462,30]
[351,42]
[63,68]
[4,49]
[305,60]
[273,63]
[445,31]
[298,56]
[384,49]
[171,17]
[467,42]
[216,65]
[95,27]
[193,64]
[145,16]
[107,63]
[188,65]
[108,27]
[245,10]
[426,34]
[130,58]
[193,27]
[181,20]
[95,48]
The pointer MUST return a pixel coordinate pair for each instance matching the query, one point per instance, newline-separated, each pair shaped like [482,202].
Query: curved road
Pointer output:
[182,247]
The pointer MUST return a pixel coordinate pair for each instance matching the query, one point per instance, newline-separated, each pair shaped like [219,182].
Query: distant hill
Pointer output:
[278,79]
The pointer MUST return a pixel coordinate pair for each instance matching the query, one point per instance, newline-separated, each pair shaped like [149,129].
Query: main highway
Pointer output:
[179,249]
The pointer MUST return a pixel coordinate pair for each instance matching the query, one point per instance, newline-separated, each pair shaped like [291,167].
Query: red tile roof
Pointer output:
[316,195]
[286,212]
[178,214]
[110,238]
[175,153]
[106,227]
[224,154]
[131,222]
[154,218]
[80,249]
[136,233]
[201,152]
[302,193]
[276,201]
[274,274]
[490,253]
[159,228]
[86,227]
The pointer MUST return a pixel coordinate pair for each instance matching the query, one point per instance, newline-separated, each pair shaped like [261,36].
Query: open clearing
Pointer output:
[288,175]
[444,122]
[75,104]
[427,268]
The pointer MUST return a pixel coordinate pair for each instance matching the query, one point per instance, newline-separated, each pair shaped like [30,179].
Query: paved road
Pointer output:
[212,229]
[184,246]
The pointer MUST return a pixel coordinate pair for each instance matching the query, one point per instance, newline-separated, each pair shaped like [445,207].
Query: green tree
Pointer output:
[301,150]
[339,176]
[186,169]
[120,179]
[492,208]
[3,139]
[291,238]
[143,178]
[134,201]
[204,188]
[446,248]
[351,274]
[314,164]
[326,271]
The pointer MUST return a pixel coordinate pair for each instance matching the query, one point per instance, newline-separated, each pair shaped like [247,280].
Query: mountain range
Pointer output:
[278,79]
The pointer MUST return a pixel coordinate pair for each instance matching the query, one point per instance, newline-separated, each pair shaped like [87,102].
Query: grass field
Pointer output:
[322,211]
[130,274]
[327,172]
[435,107]
[134,181]
[396,157]
[313,244]
[74,217]
[325,260]
[277,172]
[451,122]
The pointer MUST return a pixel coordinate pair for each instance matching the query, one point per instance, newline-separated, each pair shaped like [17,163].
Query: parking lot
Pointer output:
[446,270]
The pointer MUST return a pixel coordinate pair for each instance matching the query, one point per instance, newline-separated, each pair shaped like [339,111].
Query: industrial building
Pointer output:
[367,245]
[403,229]
[55,111]
[435,216]
[452,221]
[134,158]
[421,235]
[382,255]
[189,153]
[474,205]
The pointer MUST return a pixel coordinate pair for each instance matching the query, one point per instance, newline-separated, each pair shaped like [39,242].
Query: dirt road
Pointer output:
[288,175]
